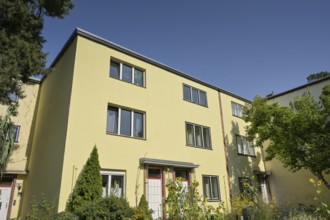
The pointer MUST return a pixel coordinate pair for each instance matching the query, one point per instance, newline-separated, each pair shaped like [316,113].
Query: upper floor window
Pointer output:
[244,146]
[198,135]
[125,122]
[211,189]
[113,183]
[13,132]
[194,95]
[237,109]
[126,73]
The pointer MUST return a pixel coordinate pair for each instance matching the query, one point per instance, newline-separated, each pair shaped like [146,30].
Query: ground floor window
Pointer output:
[113,182]
[211,188]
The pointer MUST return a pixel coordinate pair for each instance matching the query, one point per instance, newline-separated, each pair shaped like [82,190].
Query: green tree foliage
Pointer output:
[316,76]
[298,135]
[88,188]
[110,208]
[142,212]
[21,56]
[6,138]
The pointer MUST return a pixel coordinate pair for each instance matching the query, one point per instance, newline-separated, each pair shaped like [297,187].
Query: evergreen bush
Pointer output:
[88,188]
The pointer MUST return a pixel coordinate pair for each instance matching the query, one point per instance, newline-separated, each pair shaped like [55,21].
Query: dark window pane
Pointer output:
[154,173]
[125,122]
[207,138]
[190,134]
[187,93]
[112,123]
[13,133]
[195,95]
[138,77]
[105,185]
[198,133]
[127,74]
[114,69]
[215,188]
[138,125]
[207,187]
[182,174]
[202,98]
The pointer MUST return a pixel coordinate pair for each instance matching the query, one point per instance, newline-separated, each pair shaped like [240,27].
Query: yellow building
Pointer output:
[150,123]
[14,179]
[286,187]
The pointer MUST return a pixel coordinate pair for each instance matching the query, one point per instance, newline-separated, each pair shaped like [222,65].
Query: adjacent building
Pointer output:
[150,123]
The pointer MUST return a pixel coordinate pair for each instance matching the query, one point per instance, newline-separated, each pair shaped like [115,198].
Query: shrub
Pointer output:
[142,212]
[41,209]
[112,208]
[65,216]
[182,203]
[88,188]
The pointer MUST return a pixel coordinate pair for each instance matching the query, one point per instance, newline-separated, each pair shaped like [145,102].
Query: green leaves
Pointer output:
[298,135]
[88,188]
[21,55]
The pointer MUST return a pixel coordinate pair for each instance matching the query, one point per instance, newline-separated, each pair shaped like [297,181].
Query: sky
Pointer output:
[249,48]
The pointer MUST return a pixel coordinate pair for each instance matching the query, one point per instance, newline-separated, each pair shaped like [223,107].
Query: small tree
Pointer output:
[6,138]
[88,188]
[299,135]
[142,212]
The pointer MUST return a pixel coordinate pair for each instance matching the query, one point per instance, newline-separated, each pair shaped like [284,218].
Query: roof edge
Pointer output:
[80,32]
[299,87]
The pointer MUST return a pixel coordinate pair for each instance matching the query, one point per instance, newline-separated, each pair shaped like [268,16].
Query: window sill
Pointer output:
[203,148]
[246,155]
[206,106]
[127,82]
[126,136]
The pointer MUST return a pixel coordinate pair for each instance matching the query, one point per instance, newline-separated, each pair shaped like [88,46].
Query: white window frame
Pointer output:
[132,72]
[210,177]
[248,149]
[237,109]
[199,95]
[132,121]
[110,174]
[194,135]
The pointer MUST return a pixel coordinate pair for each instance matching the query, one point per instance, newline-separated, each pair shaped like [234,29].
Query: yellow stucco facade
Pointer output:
[14,178]
[80,104]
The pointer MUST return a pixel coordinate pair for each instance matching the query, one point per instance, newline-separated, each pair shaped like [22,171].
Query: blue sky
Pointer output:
[246,47]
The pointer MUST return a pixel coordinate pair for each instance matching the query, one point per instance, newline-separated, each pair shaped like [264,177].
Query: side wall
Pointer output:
[49,139]
[239,165]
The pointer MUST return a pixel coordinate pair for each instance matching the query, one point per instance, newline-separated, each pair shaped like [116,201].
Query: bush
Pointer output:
[88,189]
[65,216]
[142,212]
[41,209]
[109,208]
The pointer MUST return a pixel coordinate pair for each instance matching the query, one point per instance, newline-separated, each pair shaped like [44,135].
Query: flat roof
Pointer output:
[299,87]
[107,43]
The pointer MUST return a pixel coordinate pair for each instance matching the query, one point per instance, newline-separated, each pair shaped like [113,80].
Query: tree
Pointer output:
[6,138]
[88,188]
[298,135]
[316,76]
[21,56]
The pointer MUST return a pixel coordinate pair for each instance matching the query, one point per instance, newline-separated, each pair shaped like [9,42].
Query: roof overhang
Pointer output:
[169,163]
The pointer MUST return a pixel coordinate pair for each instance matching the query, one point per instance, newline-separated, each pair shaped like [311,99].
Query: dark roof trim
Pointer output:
[100,40]
[170,163]
[299,87]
